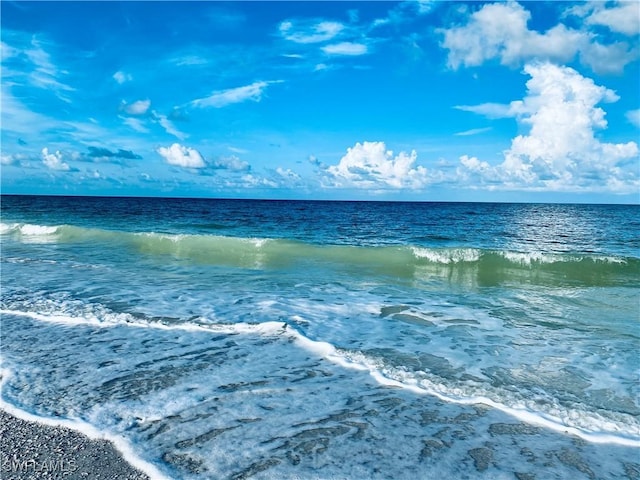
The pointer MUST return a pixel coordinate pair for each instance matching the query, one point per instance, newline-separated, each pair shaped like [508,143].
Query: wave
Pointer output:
[27,229]
[579,420]
[475,265]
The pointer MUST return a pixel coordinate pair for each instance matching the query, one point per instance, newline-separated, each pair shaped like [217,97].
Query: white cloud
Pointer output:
[425,6]
[18,119]
[135,123]
[500,31]
[489,110]
[624,17]
[54,161]
[473,131]
[634,117]
[7,51]
[610,58]
[237,150]
[254,181]
[370,165]
[122,77]
[405,11]
[85,132]
[473,164]
[15,158]
[474,172]
[189,61]
[309,32]
[41,72]
[313,160]
[139,107]
[345,48]
[287,174]
[222,98]
[561,150]
[168,125]
[181,156]
[232,163]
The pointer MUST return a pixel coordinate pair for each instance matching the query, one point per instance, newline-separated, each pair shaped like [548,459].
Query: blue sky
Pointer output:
[510,101]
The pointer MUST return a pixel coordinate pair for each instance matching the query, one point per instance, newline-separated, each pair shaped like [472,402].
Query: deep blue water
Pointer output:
[299,339]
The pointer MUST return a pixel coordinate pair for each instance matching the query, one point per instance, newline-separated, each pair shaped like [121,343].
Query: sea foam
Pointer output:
[586,425]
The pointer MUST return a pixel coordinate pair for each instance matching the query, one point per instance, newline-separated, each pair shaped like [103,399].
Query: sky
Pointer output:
[417,100]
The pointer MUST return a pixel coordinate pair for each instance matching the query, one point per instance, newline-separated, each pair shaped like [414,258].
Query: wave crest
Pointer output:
[468,265]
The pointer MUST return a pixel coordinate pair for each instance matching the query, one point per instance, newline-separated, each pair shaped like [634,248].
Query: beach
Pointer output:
[31,450]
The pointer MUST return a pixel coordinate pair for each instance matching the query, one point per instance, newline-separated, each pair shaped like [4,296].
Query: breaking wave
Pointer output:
[484,266]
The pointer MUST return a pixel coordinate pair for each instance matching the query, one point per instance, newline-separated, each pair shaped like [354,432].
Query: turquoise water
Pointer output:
[286,339]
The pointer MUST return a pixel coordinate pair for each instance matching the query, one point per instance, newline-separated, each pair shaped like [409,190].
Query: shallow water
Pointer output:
[236,339]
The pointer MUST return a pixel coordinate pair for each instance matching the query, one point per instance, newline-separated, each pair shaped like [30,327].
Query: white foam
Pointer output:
[7,228]
[120,443]
[324,350]
[587,426]
[259,242]
[456,255]
[407,381]
[110,320]
[527,258]
[37,230]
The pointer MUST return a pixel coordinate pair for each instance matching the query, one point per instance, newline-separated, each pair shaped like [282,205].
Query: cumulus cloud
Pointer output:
[181,156]
[54,161]
[232,163]
[15,158]
[139,107]
[371,165]
[288,174]
[475,173]
[222,98]
[249,181]
[500,31]
[561,150]
[346,48]
[309,31]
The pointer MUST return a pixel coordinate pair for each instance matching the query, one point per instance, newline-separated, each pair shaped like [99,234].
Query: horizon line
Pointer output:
[318,200]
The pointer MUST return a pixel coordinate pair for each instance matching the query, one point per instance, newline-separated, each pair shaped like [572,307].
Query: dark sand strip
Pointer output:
[29,450]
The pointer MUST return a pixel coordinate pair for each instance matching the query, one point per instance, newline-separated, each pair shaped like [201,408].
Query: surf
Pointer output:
[480,266]
[619,429]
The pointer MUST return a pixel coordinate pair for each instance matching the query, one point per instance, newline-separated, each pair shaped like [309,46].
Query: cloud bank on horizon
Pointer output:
[414,100]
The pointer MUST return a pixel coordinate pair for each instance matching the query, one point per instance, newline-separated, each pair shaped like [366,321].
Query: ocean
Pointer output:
[330,340]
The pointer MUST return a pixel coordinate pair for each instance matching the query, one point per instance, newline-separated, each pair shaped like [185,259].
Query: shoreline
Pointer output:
[33,450]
